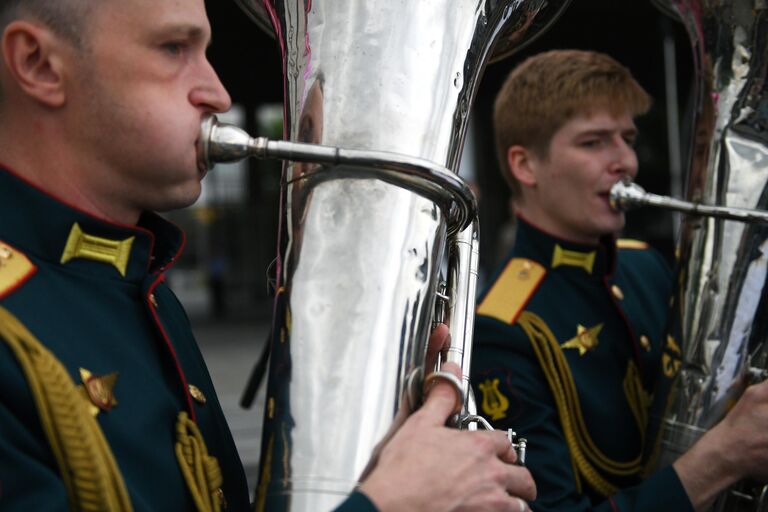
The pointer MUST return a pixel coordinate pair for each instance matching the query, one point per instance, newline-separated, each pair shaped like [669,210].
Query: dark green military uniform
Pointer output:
[357,502]
[93,294]
[570,345]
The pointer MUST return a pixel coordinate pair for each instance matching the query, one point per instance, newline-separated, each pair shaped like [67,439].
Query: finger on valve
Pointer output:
[439,341]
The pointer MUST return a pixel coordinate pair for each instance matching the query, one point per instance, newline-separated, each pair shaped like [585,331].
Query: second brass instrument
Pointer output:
[720,304]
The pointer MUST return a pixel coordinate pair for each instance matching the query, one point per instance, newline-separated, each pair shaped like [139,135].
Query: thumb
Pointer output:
[441,399]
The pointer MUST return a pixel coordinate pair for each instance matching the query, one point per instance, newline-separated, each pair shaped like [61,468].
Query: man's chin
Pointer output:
[179,200]
[615,225]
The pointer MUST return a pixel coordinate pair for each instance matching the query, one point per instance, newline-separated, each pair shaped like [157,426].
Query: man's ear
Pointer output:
[522,163]
[33,59]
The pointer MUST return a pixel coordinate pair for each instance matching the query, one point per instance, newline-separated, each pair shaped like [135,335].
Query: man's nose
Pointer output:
[210,95]
[624,159]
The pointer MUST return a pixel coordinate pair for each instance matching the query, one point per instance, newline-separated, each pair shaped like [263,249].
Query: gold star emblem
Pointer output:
[585,339]
[97,389]
[673,346]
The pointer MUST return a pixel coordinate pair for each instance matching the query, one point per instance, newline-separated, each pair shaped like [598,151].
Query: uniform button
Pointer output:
[645,343]
[153,300]
[616,291]
[197,394]
[525,272]
[5,254]
[222,499]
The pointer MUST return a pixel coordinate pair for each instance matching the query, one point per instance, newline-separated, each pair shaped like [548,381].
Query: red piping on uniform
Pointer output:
[614,260]
[18,285]
[86,213]
[23,280]
[160,279]
[533,292]
[612,253]
[624,318]
[176,255]
[613,504]
[152,287]
[70,205]
[557,237]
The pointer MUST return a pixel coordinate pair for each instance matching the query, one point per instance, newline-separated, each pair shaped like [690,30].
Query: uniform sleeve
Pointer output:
[357,502]
[29,477]
[512,392]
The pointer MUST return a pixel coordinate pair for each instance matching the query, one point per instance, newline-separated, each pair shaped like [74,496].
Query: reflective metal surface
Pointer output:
[720,303]
[360,264]
[626,195]
[221,143]
[520,24]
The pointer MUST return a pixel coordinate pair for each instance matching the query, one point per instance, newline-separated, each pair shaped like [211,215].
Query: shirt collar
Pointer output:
[47,228]
[564,255]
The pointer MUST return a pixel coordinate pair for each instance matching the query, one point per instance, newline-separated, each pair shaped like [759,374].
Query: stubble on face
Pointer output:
[586,157]
[131,108]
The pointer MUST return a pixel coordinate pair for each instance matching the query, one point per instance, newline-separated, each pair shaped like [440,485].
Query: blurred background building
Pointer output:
[224,277]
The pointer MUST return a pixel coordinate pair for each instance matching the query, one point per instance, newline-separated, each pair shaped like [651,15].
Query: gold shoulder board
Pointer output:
[628,243]
[15,268]
[512,290]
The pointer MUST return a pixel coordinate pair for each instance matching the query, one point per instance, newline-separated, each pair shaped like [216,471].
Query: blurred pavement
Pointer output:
[230,349]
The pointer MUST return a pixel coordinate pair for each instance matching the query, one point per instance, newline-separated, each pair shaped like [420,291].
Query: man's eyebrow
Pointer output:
[190,31]
[599,132]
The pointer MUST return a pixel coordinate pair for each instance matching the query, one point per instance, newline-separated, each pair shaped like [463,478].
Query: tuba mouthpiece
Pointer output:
[626,195]
[222,143]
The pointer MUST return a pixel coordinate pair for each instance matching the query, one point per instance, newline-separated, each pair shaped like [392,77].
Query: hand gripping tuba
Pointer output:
[719,340]
[377,97]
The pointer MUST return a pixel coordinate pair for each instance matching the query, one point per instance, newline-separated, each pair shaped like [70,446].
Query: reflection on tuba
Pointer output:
[721,306]
[377,96]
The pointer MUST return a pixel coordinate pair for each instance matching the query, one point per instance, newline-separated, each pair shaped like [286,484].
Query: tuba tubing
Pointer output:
[381,91]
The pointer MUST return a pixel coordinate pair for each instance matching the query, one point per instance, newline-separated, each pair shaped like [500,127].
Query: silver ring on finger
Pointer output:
[431,379]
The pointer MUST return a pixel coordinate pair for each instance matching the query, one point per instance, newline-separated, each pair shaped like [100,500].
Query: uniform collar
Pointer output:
[47,228]
[564,255]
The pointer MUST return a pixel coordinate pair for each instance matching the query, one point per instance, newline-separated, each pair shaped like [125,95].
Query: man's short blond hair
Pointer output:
[547,90]
[66,18]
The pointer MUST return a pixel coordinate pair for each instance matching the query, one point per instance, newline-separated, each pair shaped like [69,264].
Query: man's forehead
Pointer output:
[157,15]
[600,120]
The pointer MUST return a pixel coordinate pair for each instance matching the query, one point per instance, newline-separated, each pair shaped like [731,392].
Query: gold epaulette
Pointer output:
[628,243]
[512,290]
[15,268]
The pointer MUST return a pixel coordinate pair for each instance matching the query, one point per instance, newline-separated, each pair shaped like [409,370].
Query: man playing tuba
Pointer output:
[570,336]
[105,401]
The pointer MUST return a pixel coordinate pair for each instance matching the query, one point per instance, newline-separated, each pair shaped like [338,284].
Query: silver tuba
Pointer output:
[377,98]
[720,309]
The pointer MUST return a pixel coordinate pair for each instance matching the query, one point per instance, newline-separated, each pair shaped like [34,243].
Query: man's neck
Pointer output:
[543,222]
[37,155]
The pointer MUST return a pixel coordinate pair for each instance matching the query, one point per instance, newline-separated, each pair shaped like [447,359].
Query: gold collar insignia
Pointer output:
[98,389]
[585,260]
[585,339]
[89,247]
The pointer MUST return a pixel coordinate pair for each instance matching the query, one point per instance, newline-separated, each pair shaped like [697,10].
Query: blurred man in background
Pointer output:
[571,340]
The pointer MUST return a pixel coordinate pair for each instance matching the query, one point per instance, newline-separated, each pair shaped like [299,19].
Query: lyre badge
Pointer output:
[671,359]
[495,404]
